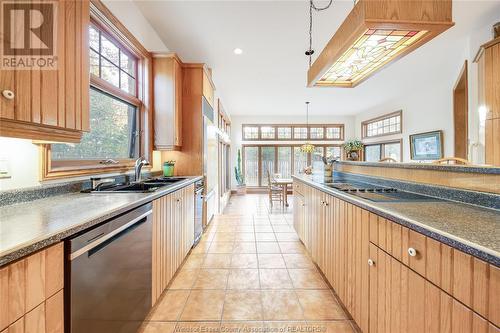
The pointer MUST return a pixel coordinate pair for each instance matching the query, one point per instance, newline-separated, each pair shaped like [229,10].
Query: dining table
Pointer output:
[283,183]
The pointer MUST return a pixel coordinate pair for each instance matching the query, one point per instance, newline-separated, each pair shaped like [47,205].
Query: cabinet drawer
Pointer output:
[298,187]
[469,280]
[26,284]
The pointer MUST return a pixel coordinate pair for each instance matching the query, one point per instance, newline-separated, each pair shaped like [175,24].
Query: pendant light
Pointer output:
[307,147]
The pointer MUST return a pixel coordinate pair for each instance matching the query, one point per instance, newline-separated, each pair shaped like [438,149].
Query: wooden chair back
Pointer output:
[452,160]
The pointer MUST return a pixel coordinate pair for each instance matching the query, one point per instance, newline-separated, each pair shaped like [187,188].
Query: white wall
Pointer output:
[430,107]
[237,121]
[22,157]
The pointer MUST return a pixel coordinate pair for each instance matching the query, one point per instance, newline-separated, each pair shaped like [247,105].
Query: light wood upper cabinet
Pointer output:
[167,81]
[52,104]
[208,87]
[31,293]
[489,97]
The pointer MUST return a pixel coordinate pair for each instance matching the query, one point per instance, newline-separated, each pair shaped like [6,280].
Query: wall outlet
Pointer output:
[4,169]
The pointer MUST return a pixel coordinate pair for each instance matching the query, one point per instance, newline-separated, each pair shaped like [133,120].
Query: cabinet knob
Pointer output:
[371,262]
[8,94]
[412,252]
[326,203]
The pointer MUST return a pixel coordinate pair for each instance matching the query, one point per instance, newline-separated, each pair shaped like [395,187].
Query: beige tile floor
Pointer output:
[249,273]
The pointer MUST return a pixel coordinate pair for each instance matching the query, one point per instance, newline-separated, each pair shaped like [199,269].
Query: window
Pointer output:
[250,132]
[258,160]
[110,62]
[284,167]
[317,132]
[268,160]
[284,132]
[384,125]
[251,165]
[298,132]
[377,151]
[267,132]
[334,133]
[118,105]
[113,132]
[334,152]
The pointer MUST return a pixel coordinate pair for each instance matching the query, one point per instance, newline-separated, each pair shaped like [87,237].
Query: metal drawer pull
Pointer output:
[371,262]
[8,94]
[412,252]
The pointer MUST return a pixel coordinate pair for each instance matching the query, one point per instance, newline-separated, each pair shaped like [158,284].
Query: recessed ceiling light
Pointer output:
[238,51]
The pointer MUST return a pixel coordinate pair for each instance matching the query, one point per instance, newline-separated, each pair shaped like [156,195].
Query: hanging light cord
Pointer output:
[307,114]
[312,6]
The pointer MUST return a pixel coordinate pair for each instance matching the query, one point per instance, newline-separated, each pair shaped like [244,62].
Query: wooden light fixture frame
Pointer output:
[434,16]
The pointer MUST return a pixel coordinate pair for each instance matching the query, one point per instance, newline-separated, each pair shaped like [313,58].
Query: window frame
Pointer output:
[382,150]
[341,128]
[276,146]
[102,19]
[364,125]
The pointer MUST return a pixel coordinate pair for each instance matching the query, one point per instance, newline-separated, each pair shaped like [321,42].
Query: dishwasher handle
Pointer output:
[108,236]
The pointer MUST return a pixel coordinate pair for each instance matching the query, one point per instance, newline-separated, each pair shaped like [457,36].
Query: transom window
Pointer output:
[110,62]
[250,132]
[298,132]
[384,125]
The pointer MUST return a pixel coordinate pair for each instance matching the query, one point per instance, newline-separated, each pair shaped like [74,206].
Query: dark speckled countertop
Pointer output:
[29,226]
[471,229]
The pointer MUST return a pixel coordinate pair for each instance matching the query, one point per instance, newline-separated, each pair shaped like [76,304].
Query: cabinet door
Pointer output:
[208,89]
[298,215]
[52,104]
[167,81]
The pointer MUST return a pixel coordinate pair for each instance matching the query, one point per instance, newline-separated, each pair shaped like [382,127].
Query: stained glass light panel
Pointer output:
[371,51]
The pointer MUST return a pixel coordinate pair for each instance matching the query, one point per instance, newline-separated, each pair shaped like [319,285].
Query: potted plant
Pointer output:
[353,149]
[168,168]
[241,188]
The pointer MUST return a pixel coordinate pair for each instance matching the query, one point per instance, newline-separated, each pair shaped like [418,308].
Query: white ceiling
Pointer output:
[269,78]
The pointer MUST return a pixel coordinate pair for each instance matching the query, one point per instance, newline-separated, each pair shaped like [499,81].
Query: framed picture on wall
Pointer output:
[426,146]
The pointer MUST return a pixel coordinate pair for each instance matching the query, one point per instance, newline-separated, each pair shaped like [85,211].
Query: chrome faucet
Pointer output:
[139,163]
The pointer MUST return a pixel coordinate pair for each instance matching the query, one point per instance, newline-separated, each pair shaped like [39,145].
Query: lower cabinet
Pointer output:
[31,293]
[173,235]
[403,301]
[392,279]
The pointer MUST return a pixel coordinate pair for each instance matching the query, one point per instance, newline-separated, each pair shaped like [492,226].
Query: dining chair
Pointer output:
[275,192]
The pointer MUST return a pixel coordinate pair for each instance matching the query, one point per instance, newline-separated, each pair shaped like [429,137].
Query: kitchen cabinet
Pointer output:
[52,104]
[489,84]
[167,81]
[208,87]
[391,278]
[190,158]
[31,293]
[173,235]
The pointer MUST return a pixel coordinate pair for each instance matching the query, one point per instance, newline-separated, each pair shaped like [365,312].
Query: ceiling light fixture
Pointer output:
[370,38]
[238,51]
[307,147]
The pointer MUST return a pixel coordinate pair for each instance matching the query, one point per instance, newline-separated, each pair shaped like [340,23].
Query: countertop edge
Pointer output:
[428,166]
[486,254]
[27,248]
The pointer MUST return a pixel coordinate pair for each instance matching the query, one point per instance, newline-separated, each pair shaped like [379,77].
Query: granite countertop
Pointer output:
[468,228]
[484,169]
[30,226]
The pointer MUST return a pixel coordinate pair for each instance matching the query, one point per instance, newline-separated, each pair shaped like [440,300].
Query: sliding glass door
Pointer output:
[251,165]
[284,167]
[268,161]
[286,160]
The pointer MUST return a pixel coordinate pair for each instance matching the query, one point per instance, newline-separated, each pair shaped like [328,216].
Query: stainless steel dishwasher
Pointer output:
[198,211]
[110,274]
